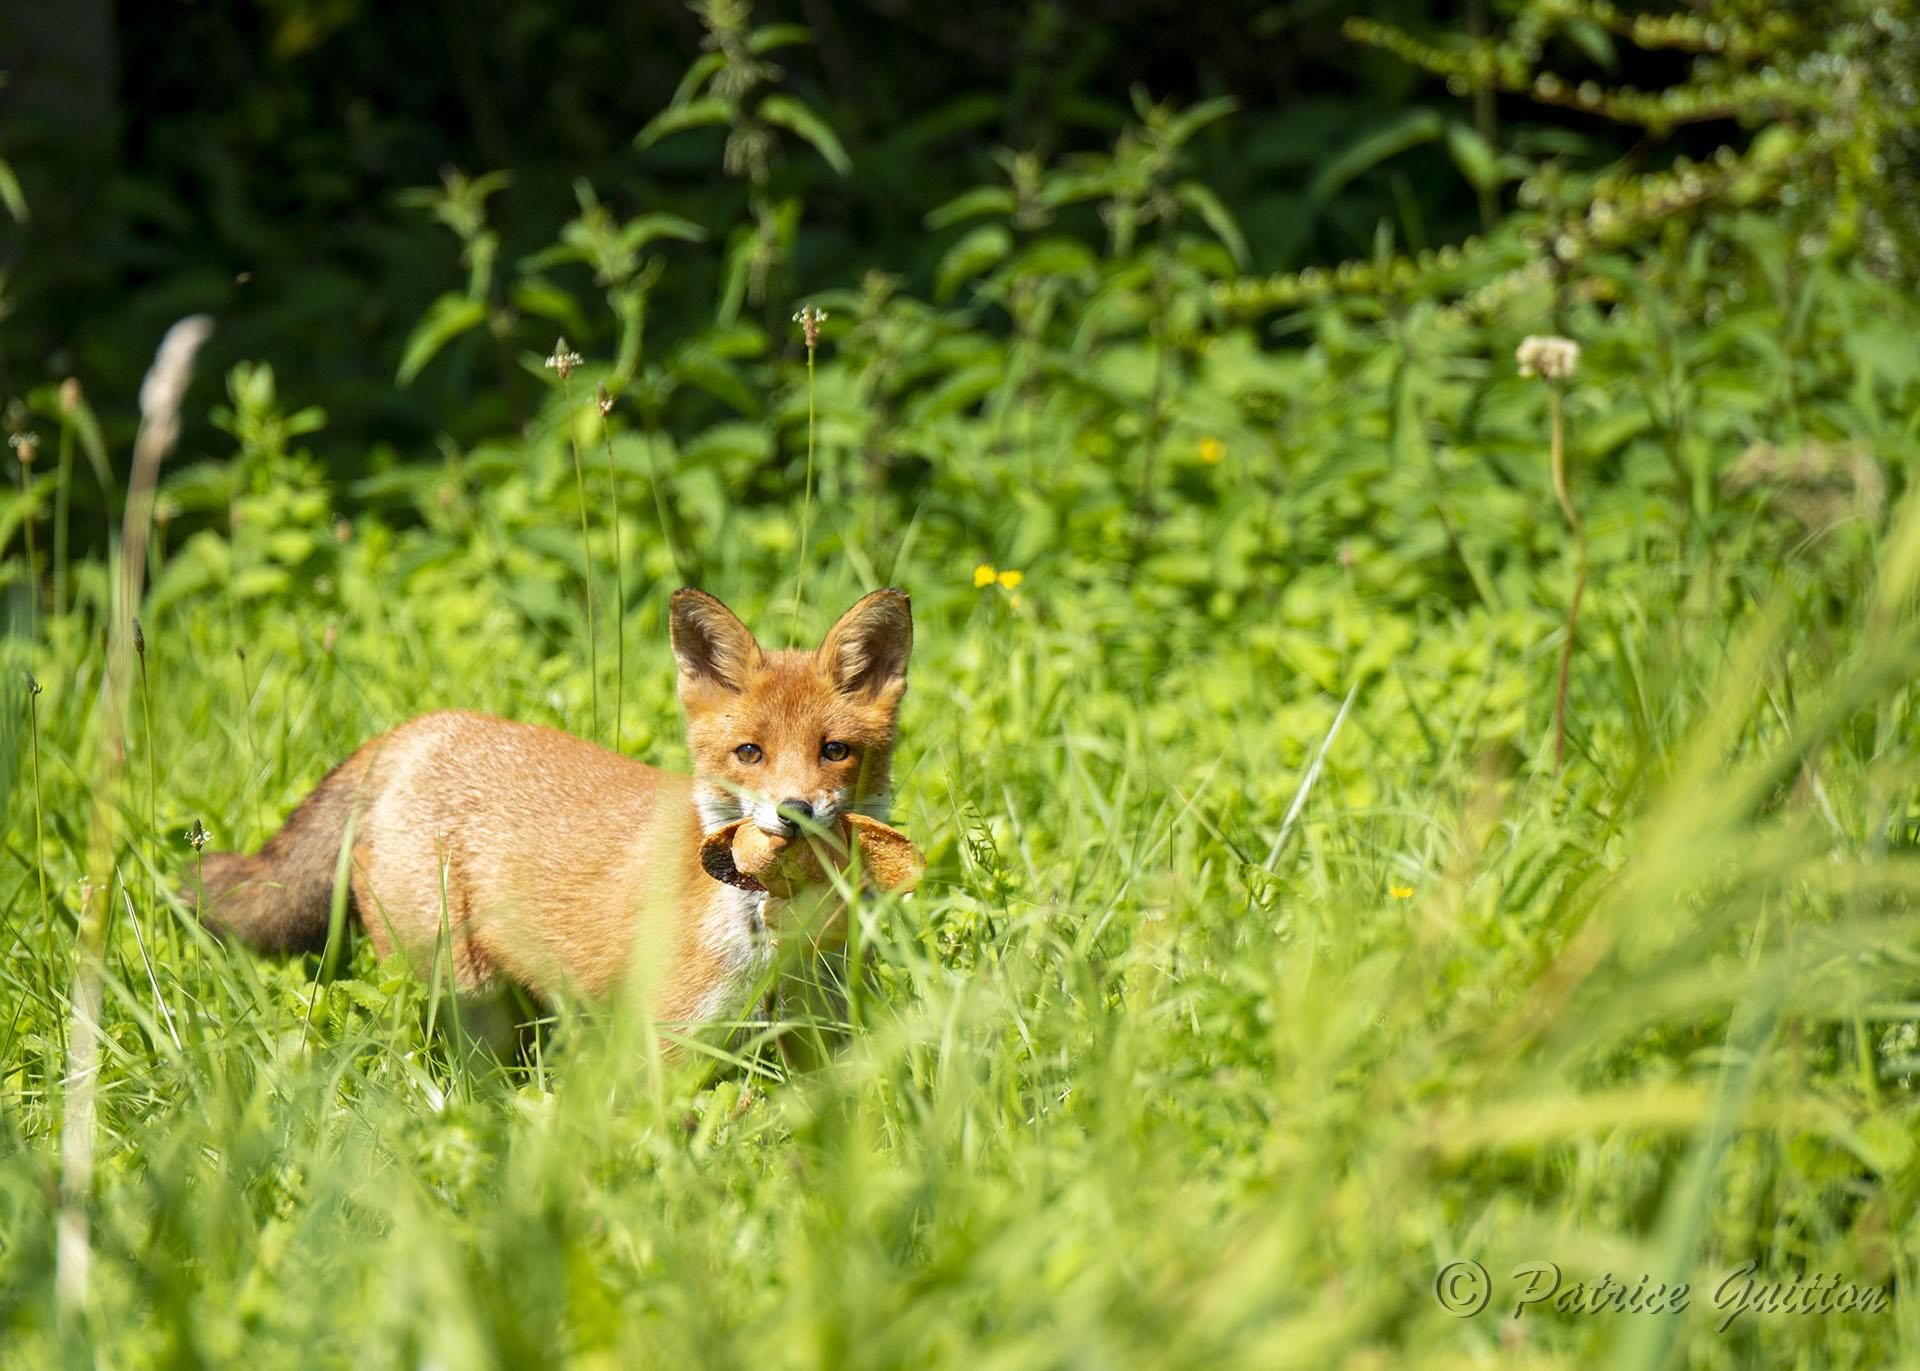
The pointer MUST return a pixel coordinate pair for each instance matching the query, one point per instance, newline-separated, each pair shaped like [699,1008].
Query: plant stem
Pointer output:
[61,495]
[1559,467]
[39,823]
[246,702]
[1147,516]
[586,557]
[660,499]
[806,504]
[33,575]
[153,775]
[619,591]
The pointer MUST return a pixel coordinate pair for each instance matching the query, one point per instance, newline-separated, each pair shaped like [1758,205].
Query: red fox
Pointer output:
[523,853]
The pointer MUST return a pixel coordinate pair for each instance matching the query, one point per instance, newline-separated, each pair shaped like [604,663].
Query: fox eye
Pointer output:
[835,752]
[748,753]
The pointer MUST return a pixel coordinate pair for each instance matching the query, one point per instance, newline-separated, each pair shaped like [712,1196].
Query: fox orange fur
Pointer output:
[525,854]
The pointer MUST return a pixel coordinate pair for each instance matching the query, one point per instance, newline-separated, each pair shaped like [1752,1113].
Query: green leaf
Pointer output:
[703,69]
[1057,259]
[954,119]
[971,205]
[1477,161]
[975,253]
[1403,132]
[10,193]
[1216,216]
[21,505]
[258,581]
[733,276]
[446,319]
[533,295]
[638,232]
[796,118]
[730,442]
[771,36]
[1067,188]
[962,389]
[697,365]
[86,427]
[679,118]
[1189,122]
[1595,42]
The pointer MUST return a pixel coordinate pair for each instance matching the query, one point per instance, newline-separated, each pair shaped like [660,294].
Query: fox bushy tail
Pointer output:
[280,899]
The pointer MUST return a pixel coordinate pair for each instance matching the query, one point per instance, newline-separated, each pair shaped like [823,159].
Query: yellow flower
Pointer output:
[1212,451]
[983,576]
[1400,892]
[1010,579]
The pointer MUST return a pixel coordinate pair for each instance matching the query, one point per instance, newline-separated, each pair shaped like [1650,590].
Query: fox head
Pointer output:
[790,734]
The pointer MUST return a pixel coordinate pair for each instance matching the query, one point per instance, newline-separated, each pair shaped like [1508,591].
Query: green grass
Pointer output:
[1122,1091]
[1266,962]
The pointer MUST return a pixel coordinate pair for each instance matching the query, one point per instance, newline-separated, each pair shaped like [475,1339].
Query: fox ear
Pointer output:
[710,644]
[866,652]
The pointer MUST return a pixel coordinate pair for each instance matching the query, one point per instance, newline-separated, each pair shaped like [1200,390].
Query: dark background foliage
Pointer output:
[246,159]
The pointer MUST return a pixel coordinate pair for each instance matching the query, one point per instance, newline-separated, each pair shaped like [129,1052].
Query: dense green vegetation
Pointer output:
[1277,949]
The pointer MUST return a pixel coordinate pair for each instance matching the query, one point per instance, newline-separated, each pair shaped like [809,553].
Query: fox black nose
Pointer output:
[791,810]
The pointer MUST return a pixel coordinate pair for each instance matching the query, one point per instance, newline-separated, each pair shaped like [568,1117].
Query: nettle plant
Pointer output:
[1761,185]
[1812,116]
[733,85]
[1123,327]
[269,528]
[1099,306]
[1070,316]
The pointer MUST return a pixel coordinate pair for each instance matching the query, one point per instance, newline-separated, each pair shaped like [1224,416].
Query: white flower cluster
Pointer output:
[810,318]
[1549,357]
[564,359]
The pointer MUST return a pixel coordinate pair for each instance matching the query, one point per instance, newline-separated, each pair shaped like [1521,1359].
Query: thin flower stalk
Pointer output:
[1555,360]
[809,318]
[619,573]
[153,765]
[63,492]
[26,447]
[39,822]
[562,362]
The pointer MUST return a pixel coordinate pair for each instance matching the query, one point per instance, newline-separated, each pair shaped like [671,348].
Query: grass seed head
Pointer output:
[563,360]
[810,317]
